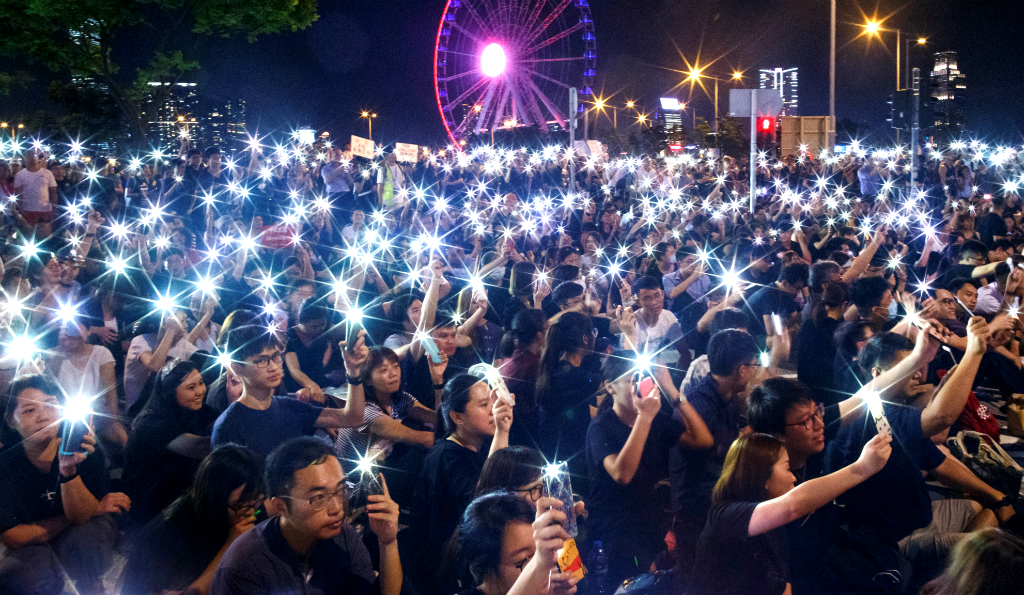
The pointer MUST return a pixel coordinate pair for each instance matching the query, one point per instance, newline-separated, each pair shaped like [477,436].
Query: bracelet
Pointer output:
[439,386]
[69,478]
[353,381]
[90,235]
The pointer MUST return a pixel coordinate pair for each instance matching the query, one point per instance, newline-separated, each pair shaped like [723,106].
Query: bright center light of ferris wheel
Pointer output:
[492,60]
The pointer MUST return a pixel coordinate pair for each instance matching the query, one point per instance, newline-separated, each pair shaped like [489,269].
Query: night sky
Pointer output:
[378,55]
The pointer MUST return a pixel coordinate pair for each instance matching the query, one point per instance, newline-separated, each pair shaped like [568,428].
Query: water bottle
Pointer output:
[599,571]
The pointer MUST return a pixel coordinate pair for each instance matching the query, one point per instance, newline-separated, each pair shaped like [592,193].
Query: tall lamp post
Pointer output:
[874,29]
[369,122]
[832,82]
[697,74]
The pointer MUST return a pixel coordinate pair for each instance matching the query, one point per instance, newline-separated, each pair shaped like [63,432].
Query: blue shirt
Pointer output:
[262,431]
[895,500]
[695,471]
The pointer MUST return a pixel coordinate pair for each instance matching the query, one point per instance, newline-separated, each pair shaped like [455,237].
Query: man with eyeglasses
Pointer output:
[261,420]
[973,259]
[306,546]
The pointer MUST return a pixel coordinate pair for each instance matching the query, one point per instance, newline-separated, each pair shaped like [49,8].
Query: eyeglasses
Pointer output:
[753,365]
[535,492]
[320,501]
[808,422]
[244,508]
[264,360]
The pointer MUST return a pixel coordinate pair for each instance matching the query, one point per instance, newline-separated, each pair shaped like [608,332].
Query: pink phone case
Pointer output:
[646,386]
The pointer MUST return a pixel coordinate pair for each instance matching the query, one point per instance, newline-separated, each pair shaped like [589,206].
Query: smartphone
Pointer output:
[558,485]
[369,484]
[352,335]
[494,380]
[431,347]
[73,434]
[777,323]
[646,386]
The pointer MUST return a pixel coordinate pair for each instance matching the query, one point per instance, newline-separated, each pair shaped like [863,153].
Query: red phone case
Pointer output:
[646,386]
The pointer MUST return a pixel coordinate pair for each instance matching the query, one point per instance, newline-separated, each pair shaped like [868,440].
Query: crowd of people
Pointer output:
[306,371]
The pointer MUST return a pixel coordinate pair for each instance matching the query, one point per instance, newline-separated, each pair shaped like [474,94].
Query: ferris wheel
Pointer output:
[506,63]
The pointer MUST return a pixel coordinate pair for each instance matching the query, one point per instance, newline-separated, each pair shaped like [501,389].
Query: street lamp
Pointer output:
[698,73]
[874,29]
[369,122]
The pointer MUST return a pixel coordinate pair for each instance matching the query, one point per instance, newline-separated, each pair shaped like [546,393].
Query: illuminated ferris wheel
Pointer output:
[506,63]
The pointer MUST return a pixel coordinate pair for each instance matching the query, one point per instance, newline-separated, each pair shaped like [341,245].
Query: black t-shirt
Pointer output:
[992,224]
[731,562]
[893,501]
[623,516]
[443,492]
[170,552]
[816,354]
[768,300]
[311,359]
[565,411]
[154,476]
[957,270]
[28,495]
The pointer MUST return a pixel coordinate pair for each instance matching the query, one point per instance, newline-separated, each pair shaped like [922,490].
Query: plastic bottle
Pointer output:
[599,571]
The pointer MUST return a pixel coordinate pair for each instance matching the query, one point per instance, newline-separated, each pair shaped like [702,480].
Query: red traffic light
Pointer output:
[766,124]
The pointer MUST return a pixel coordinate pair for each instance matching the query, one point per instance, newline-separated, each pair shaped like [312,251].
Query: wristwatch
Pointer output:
[1006,501]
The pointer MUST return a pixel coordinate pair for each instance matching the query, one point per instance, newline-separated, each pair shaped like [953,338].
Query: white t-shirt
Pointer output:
[35,189]
[86,380]
[137,373]
[396,175]
[661,329]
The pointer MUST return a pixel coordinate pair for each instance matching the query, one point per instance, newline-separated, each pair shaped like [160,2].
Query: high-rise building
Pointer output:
[671,118]
[783,80]
[171,107]
[224,126]
[949,89]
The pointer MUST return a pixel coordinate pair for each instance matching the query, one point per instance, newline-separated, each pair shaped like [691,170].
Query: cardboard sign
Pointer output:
[406,152]
[362,147]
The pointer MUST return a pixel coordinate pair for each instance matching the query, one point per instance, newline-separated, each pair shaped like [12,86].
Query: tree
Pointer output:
[731,138]
[77,37]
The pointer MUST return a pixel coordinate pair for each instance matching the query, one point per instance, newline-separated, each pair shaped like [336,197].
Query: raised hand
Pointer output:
[875,454]
[382,512]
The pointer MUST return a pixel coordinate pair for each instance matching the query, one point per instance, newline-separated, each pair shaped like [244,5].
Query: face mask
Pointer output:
[892,309]
[672,259]
[497,274]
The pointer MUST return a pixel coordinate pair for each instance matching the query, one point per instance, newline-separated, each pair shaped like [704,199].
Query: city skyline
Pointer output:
[326,75]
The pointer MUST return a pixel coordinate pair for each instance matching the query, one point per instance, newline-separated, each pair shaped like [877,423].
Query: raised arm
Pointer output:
[860,264]
[812,495]
[947,404]
[351,415]
[622,465]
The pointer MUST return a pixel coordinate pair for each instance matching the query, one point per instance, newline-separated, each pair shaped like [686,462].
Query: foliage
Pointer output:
[731,137]
[77,38]
[9,80]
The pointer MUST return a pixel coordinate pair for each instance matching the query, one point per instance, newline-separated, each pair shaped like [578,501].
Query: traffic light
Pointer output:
[766,134]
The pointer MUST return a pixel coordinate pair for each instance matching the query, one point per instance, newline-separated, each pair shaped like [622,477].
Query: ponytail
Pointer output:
[571,334]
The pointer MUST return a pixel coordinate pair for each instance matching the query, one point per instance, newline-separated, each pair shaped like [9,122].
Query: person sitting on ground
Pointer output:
[180,549]
[55,509]
[261,420]
[169,438]
[988,561]
[520,373]
[306,546]
[627,455]
[384,427]
[509,549]
[308,353]
[895,504]
[515,469]
[471,416]
[740,550]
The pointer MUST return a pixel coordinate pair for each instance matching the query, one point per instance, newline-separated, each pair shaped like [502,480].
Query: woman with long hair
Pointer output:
[739,552]
[515,469]
[527,291]
[567,380]
[84,369]
[169,437]
[520,373]
[473,424]
[816,348]
[180,549]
